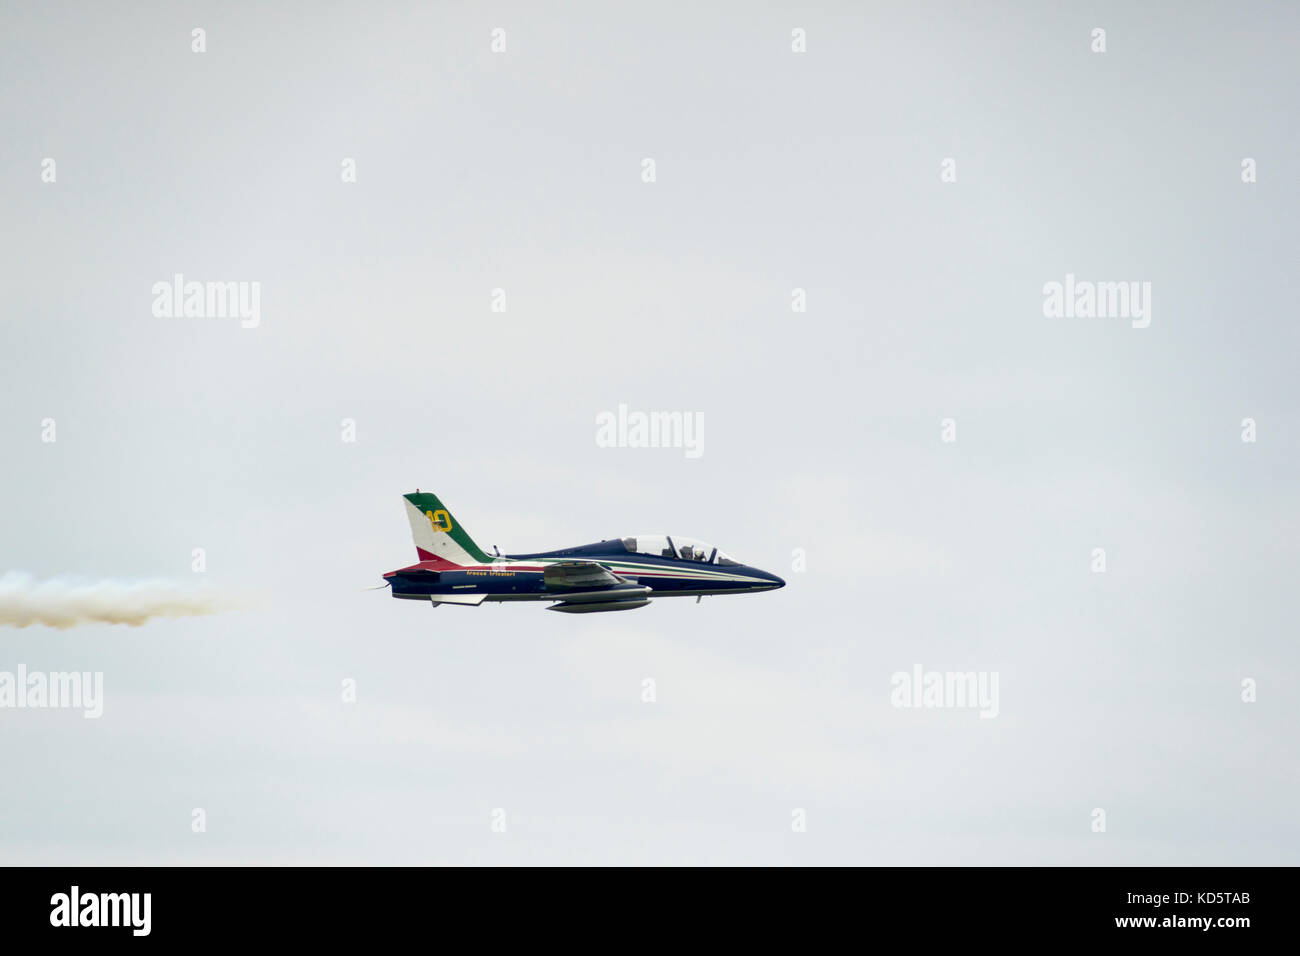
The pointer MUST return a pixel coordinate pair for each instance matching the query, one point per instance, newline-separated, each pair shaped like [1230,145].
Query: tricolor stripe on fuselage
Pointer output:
[520,580]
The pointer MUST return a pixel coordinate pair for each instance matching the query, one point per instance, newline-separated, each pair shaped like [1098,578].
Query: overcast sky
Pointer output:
[774,170]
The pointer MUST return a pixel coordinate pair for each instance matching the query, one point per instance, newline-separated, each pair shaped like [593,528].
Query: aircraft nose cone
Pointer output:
[777,582]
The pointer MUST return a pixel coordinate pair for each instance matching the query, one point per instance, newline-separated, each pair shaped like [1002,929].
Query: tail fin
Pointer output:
[438,536]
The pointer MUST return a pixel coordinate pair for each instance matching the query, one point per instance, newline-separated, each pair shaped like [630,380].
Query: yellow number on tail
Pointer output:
[440,520]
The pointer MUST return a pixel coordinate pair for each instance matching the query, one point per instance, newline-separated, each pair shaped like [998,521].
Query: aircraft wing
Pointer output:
[584,587]
[580,575]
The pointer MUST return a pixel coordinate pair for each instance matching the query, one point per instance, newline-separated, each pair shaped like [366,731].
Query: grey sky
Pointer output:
[775,170]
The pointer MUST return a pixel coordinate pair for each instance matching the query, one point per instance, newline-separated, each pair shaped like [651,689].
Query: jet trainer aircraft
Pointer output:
[614,575]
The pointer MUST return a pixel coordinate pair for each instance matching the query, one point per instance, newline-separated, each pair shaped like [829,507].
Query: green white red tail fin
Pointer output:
[438,536]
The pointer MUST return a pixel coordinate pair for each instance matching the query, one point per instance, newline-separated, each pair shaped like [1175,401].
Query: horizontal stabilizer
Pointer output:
[473,600]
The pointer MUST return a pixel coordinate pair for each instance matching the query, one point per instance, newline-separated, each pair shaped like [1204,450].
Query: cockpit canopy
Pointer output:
[680,549]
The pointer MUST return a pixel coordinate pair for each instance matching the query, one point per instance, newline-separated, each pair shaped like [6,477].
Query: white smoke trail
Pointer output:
[61,603]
